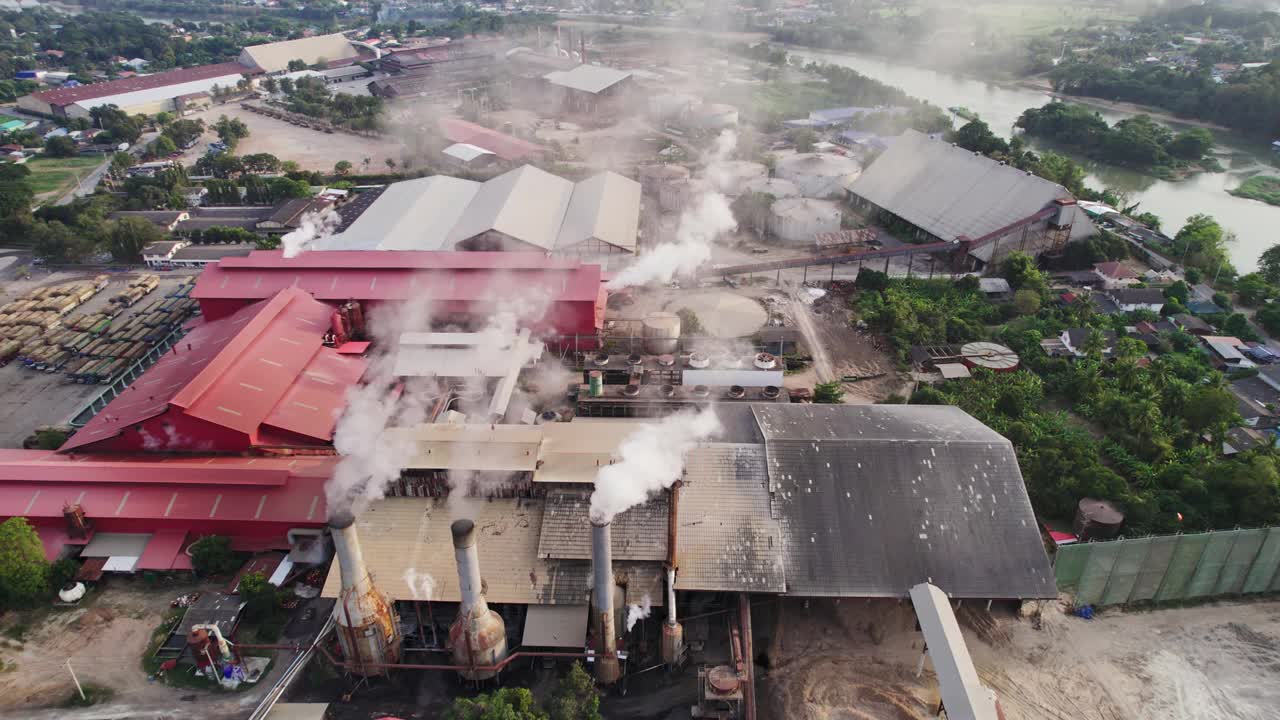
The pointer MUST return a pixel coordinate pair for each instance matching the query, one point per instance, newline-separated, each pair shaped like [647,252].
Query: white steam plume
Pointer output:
[652,459]
[314,225]
[702,221]
[421,585]
[636,613]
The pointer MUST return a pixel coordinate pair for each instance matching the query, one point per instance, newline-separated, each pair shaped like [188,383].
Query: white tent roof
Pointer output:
[587,78]
[465,152]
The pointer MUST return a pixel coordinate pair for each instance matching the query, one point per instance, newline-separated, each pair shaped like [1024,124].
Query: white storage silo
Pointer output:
[797,221]
[819,175]
[777,187]
[731,177]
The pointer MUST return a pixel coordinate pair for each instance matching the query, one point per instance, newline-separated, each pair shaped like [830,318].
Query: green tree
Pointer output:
[1253,289]
[261,598]
[1026,301]
[575,698]
[976,136]
[342,168]
[261,163]
[1021,272]
[804,140]
[230,130]
[1268,317]
[184,132]
[58,243]
[501,704]
[128,236]
[24,572]
[212,555]
[162,147]
[15,191]
[831,393]
[1179,291]
[1191,144]
[1269,264]
[296,64]
[61,147]
[1212,410]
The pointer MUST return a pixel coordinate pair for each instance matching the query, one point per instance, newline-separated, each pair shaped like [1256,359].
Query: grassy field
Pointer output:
[49,175]
[1260,187]
[7,118]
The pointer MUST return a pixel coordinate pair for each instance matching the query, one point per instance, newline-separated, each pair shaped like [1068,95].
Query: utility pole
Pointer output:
[76,680]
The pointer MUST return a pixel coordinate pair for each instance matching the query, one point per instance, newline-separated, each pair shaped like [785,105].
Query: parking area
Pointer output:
[32,398]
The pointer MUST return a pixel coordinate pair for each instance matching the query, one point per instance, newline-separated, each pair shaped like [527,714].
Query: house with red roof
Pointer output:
[256,380]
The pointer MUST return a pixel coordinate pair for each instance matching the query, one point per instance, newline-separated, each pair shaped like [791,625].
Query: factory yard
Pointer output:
[34,398]
[857,659]
[311,149]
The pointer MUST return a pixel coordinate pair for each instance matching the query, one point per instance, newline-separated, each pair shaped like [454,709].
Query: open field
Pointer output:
[857,659]
[33,398]
[57,175]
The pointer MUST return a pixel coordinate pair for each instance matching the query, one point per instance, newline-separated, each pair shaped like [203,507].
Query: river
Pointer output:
[1254,223]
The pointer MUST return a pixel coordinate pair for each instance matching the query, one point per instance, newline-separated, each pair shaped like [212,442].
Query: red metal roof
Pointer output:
[504,146]
[261,366]
[37,484]
[400,275]
[66,96]
[162,549]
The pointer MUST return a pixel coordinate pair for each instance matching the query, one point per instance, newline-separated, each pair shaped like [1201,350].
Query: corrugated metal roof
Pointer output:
[409,215]
[125,100]
[262,366]
[453,354]
[116,545]
[480,447]
[925,493]
[526,203]
[81,93]
[587,78]
[951,192]
[573,452]
[507,147]
[161,550]
[726,539]
[555,626]
[640,533]
[275,57]
[963,694]
[465,152]
[605,207]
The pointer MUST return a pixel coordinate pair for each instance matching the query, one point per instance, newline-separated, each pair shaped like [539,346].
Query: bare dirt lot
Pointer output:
[311,149]
[858,660]
[33,398]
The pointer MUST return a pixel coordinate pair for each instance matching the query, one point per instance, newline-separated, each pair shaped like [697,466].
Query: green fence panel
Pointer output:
[1186,555]
[1124,574]
[1265,565]
[1068,564]
[1093,582]
[1214,558]
[1160,552]
[1243,552]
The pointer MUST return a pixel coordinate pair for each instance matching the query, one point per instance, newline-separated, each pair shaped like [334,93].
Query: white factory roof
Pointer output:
[951,192]
[527,204]
[465,152]
[459,354]
[409,215]
[587,78]
[168,92]
[274,57]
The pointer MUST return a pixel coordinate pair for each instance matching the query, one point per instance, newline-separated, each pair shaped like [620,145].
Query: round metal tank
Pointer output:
[989,355]
[653,177]
[1097,520]
[777,187]
[675,195]
[731,177]
[798,220]
[661,332]
[819,175]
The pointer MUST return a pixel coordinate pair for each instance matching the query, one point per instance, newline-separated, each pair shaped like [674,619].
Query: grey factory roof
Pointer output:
[275,57]
[950,192]
[640,533]
[587,78]
[925,493]
[526,203]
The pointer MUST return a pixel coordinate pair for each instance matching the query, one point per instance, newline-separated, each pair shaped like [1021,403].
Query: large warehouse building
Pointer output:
[946,193]
[461,287]
[333,49]
[523,209]
[142,94]
[258,378]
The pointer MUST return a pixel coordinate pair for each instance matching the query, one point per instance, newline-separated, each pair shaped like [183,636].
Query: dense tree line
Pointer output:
[311,97]
[1138,142]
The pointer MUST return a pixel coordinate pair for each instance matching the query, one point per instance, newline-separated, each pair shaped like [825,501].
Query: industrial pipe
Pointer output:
[607,668]
[468,559]
[748,658]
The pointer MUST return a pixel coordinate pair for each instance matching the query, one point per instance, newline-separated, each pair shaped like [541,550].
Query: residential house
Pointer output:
[1256,401]
[1192,324]
[1240,439]
[1132,299]
[1225,351]
[995,288]
[1074,340]
[1115,274]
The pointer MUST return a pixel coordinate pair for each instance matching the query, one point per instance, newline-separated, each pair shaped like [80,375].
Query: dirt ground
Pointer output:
[311,149]
[858,660]
[33,398]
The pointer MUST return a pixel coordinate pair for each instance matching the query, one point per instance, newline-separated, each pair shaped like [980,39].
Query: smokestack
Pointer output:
[672,630]
[478,635]
[368,630]
[607,669]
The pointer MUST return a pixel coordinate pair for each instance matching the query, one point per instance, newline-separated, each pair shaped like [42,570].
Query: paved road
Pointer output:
[89,183]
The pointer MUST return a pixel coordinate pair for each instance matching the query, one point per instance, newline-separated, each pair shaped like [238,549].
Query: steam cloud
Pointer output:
[702,221]
[421,585]
[652,459]
[636,613]
[313,226]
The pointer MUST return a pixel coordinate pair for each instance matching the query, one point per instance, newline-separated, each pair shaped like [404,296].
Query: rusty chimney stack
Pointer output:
[478,635]
[672,630]
[607,668]
[368,630]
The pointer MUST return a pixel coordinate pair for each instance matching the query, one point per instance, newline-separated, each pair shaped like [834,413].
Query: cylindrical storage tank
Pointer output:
[1097,520]
[670,106]
[368,630]
[798,220]
[595,383]
[731,177]
[661,331]
[478,636]
[819,175]
[989,355]
[713,116]
[675,195]
[653,177]
[777,187]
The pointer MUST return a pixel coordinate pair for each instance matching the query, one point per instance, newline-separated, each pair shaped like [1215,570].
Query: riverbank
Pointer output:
[1263,188]
[1041,84]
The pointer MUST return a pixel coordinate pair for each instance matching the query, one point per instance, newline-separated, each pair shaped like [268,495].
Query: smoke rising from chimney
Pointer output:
[314,225]
[702,221]
[652,458]
[636,613]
